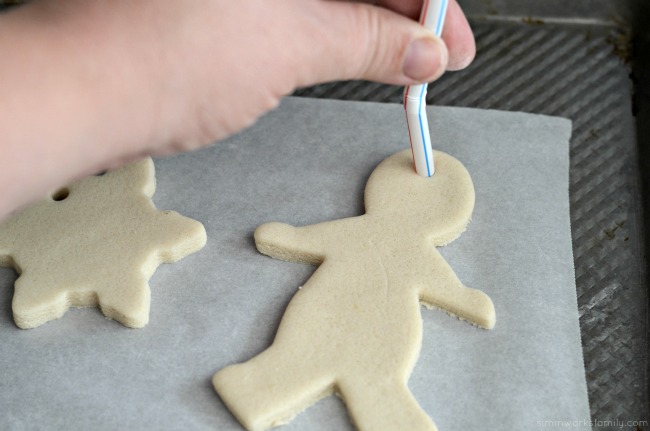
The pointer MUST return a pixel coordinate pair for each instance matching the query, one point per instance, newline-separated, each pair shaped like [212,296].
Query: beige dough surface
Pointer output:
[355,327]
[95,242]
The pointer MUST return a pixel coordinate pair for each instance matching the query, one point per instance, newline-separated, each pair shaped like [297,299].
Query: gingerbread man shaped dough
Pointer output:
[355,327]
[95,242]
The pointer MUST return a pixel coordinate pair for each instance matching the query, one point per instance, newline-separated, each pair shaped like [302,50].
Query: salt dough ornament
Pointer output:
[355,327]
[96,242]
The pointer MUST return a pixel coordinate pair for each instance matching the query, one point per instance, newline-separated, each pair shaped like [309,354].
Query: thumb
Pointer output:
[360,41]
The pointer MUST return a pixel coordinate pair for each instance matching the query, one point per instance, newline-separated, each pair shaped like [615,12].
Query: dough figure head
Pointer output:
[355,327]
[441,205]
[94,242]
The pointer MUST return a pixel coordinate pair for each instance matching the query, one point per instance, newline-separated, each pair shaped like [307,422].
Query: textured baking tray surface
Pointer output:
[578,72]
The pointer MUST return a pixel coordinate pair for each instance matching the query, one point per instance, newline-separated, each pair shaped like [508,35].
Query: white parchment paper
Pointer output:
[307,162]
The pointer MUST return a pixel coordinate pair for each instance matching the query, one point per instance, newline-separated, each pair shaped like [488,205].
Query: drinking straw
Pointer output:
[432,18]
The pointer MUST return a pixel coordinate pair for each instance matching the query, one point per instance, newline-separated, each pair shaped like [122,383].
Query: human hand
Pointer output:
[240,58]
[91,85]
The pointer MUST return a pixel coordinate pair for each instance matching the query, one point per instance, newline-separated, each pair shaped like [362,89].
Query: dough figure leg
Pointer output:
[384,405]
[270,389]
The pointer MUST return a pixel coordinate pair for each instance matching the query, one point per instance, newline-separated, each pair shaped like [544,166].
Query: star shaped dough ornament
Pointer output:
[95,242]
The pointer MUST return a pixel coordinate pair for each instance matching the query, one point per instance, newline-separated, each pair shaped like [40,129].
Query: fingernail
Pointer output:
[424,59]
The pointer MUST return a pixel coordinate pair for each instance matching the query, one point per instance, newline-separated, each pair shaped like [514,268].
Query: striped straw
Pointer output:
[433,18]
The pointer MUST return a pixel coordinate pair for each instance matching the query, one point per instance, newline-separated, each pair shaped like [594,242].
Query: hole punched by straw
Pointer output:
[61,194]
